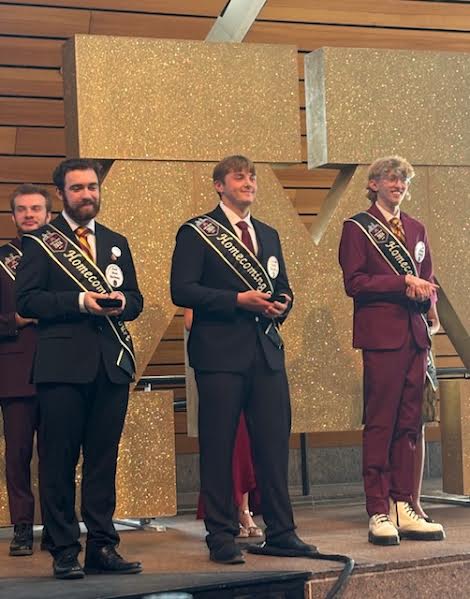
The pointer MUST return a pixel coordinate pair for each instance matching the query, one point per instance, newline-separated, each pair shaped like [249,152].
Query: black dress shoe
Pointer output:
[106,560]
[291,543]
[66,566]
[228,553]
[22,542]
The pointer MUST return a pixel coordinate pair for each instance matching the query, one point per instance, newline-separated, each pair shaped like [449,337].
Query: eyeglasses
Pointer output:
[394,178]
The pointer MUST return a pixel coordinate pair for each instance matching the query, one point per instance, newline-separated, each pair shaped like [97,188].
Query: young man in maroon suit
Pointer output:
[387,269]
[31,209]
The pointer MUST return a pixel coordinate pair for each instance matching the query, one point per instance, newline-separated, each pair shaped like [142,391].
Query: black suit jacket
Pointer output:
[17,346]
[223,336]
[71,345]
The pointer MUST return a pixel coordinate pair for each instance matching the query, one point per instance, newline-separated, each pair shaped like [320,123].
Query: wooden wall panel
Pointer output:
[311,37]
[205,8]
[157,26]
[42,21]
[45,83]
[30,52]
[20,169]
[7,140]
[389,13]
[39,141]
[29,111]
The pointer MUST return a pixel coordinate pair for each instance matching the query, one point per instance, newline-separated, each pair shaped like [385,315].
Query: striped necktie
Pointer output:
[82,234]
[397,229]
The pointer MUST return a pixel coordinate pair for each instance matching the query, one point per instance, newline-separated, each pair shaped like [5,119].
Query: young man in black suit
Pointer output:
[83,366]
[227,266]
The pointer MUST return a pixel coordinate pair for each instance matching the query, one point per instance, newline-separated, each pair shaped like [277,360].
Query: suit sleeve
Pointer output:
[33,298]
[282,283]
[426,271]
[187,288]
[358,282]
[8,328]
[134,300]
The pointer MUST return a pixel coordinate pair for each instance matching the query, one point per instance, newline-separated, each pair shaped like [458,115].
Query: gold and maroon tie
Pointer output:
[246,237]
[397,229]
[82,234]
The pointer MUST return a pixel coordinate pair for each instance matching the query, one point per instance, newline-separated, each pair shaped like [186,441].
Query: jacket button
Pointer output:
[257,318]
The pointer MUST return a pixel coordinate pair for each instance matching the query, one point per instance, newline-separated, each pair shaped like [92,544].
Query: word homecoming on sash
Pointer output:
[75,260]
[226,242]
[394,249]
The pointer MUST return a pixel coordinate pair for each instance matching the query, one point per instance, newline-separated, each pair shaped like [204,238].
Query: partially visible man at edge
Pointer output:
[83,366]
[387,270]
[30,209]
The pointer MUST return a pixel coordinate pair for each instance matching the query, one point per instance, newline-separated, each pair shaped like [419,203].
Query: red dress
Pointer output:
[243,472]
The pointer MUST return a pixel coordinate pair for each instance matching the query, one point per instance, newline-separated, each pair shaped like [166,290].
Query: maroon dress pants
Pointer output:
[20,422]
[393,395]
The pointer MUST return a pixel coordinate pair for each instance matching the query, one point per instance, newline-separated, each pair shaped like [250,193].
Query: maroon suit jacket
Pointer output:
[17,346]
[383,314]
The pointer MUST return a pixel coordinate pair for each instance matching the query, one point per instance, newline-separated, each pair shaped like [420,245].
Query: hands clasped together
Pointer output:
[257,301]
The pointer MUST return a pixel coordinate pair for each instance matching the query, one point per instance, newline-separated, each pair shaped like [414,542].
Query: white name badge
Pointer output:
[115,253]
[420,251]
[273,267]
[114,275]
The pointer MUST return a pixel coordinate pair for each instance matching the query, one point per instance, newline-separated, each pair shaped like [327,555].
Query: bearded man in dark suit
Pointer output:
[71,270]
[387,270]
[227,266]
[31,209]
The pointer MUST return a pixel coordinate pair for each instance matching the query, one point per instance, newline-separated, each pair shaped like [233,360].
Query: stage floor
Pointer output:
[180,554]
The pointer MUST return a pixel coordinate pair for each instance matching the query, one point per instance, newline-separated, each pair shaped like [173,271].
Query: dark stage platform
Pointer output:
[178,559]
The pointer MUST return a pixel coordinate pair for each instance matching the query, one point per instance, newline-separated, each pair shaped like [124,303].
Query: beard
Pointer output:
[83,212]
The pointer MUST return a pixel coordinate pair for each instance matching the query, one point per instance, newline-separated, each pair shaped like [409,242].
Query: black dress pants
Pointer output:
[88,416]
[263,395]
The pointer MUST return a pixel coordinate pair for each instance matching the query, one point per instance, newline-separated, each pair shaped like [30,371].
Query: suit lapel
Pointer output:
[64,227]
[259,238]
[219,215]
[103,251]
[410,233]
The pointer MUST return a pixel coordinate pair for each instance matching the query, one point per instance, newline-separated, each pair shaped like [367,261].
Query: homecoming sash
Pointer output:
[398,258]
[88,277]
[234,253]
[10,257]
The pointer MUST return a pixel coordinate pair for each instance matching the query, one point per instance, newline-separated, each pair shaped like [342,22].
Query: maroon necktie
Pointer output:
[246,237]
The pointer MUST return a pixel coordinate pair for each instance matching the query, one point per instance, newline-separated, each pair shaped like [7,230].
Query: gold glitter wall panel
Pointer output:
[365,103]
[455,432]
[147,202]
[449,231]
[146,477]
[139,98]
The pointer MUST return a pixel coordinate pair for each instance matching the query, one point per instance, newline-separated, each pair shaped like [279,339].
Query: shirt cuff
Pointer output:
[81,302]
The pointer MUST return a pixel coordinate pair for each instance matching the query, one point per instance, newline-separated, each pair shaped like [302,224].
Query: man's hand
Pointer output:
[419,289]
[92,307]
[254,301]
[23,322]
[277,309]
